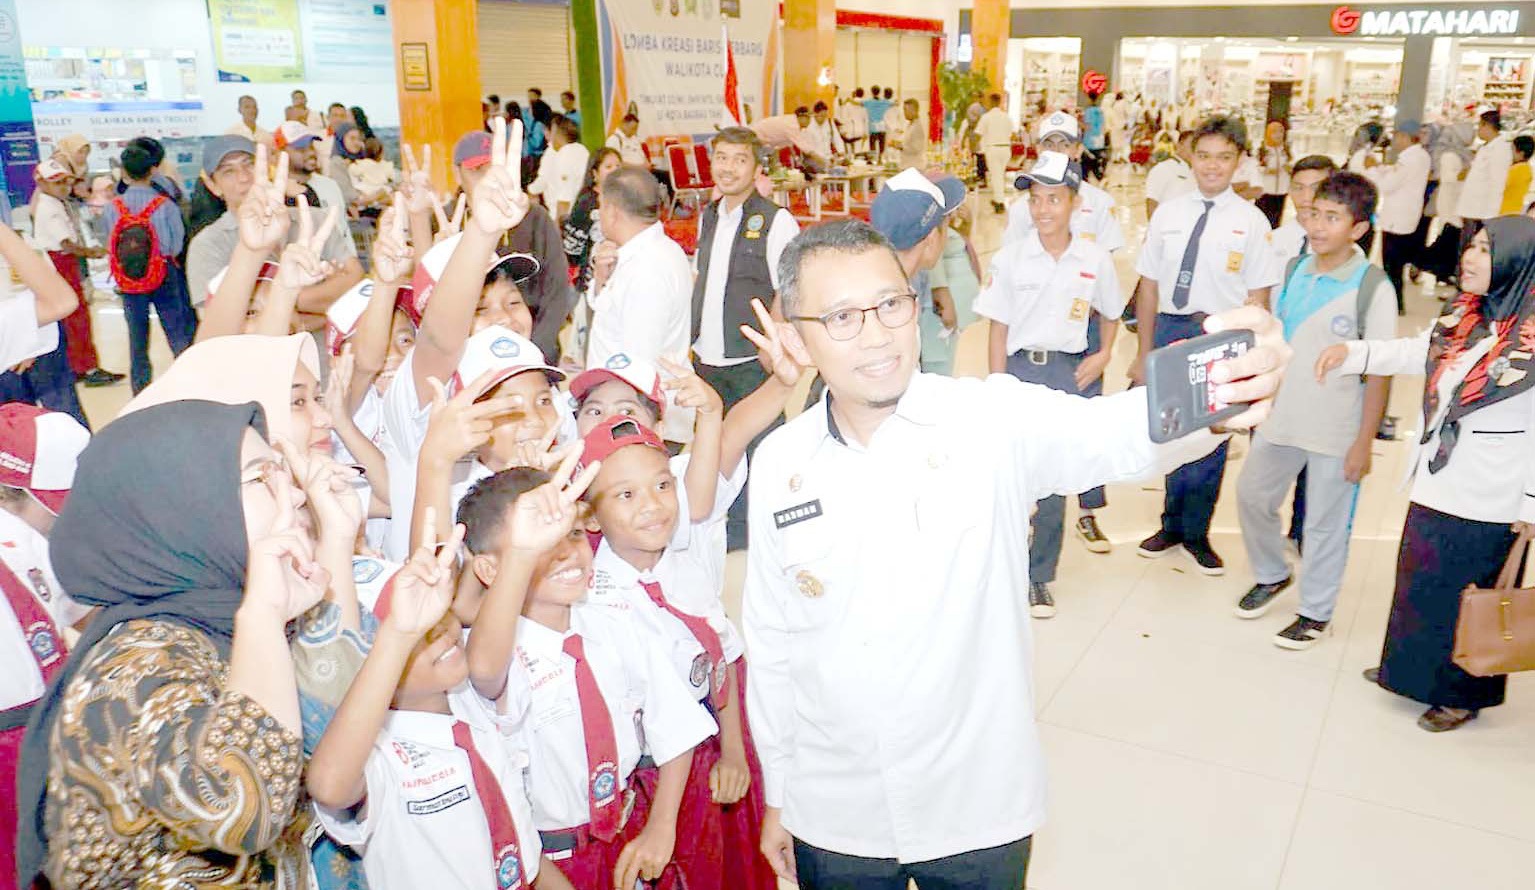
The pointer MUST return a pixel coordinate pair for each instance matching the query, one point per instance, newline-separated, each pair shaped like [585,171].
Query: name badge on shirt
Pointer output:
[1234,261]
[797,514]
[1079,308]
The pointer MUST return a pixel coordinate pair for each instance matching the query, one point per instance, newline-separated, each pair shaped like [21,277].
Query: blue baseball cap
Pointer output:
[911,205]
[220,147]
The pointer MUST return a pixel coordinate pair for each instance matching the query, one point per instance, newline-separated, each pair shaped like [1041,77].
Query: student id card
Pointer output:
[1234,261]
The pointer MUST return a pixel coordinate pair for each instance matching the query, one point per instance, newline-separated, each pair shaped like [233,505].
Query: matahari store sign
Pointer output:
[1434,22]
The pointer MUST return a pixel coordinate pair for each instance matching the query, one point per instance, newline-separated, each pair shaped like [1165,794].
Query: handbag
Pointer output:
[1495,633]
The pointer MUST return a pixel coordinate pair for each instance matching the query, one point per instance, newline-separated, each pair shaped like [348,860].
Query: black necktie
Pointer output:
[1190,256]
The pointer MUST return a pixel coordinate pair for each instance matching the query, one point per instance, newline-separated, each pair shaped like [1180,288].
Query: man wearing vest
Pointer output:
[38,449]
[740,238]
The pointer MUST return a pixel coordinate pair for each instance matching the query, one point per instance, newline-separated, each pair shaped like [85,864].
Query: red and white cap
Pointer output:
[268,273]
[435,262]
[38,451]
[504,351]
[293,134]
[615,433]
[52,170]
[342,316]
[637,373]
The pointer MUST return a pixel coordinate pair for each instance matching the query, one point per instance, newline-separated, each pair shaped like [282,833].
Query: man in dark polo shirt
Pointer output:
[740,238]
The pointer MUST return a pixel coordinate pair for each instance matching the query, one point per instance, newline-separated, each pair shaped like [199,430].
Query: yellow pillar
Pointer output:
[990,26]
[810,45]
[437,77]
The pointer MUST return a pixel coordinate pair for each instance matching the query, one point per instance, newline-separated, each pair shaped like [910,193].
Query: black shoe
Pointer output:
[1387,431]
[1041,603]
[998,207]
[1258,600]
[1156,546]
[1205,557]
[1092,535]
[99,377]
[1302,634]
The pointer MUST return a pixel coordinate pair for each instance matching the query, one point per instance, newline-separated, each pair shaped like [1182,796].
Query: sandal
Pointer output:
[1442,719]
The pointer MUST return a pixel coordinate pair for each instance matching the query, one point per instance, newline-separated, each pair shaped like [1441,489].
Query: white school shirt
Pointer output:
[708,534]
[642,694]
[1234,253]
[1093,220]
[21,337]
[1481,194]
[995,129]
[1490,476]
[631,149]
[645,312]
[854,120]
[891,687]
[1045,302]
[25,553]
[710,345]
[1287,241]
[1401,187]
[1168,180]
[560,174]
[405,423]
[823,138]
[52,225]
[690,584]
[423,823]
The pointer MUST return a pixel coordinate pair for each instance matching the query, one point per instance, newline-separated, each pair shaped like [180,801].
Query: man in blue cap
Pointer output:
[910,212]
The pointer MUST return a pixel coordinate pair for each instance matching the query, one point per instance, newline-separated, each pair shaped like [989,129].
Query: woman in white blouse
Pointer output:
[1472,482]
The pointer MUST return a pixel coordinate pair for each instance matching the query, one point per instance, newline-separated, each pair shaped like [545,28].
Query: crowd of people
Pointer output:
[408,568]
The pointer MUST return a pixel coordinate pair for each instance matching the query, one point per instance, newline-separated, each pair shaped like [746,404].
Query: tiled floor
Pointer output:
[1186,752]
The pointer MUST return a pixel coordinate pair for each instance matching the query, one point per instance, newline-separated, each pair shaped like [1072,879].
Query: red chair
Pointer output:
[686,181]
[704,167]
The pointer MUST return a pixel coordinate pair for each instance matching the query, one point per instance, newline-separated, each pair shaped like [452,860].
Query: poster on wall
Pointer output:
[18,140]
[286,41]
[665,60]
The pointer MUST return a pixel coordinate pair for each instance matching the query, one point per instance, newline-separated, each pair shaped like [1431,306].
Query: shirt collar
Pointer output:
[919,405]
[637,244]
[433,729]
[1345,270]
[545,642]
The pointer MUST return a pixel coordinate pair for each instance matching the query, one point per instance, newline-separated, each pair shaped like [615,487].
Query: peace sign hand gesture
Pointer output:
[460,425]
[417,183]
[779,347]
[303,262]
[422,590]
[546,514]
[263,218]
[448,227]
[499,202]
[281,574]
[392,257]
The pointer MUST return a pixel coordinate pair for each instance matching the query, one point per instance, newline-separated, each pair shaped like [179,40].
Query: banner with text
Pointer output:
[286,41]
[18,139]
[665,61]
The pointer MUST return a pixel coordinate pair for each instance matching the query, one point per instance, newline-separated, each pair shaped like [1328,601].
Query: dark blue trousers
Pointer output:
[1189,502]
[49,383]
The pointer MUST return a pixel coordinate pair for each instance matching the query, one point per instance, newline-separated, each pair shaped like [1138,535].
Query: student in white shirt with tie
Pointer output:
[1205,252]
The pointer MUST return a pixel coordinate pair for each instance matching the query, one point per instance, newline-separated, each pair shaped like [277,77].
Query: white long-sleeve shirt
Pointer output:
[1481,195]
[1402,186]
[891,681]
[1490,476]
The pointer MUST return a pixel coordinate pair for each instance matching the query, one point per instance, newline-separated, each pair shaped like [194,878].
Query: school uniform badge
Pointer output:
[809,585]
[508,869]
[699,674]
[45,647]
[604,783]
[754,225]
[617,362]
[365,571]
[1342,326]
[504,347]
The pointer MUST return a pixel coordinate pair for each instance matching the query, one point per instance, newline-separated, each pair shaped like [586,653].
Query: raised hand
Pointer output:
[338,389]
[328,485]
[460,425]
[499,202]
[393,259]
[604,261]
[546,514]
[281,574]
[779,347]
[421,592]
[303,262]
[448,226]
[416,185]
[263,217]
[688,389]
[540,455]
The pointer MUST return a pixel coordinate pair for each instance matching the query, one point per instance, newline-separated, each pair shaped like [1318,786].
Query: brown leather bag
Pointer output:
[1496,631]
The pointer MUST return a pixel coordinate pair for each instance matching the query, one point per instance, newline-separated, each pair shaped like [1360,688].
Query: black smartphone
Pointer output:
[1179,396]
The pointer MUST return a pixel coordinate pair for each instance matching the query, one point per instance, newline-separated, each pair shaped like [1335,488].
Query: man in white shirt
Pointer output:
[303,161]
[1172,177]
[562,169]
[1093,219]
[890,686]
[740,238]
[642,285]
[914,136]
[246,126]
[822,134]
[853,120]
[309,117]
[1402,186]
[995,132]
[1481,194]
[1205,252]
[627,142]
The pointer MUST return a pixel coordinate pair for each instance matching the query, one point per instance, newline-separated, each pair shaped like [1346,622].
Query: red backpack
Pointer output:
[137,263]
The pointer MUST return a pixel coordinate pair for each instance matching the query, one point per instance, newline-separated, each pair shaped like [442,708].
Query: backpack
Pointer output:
[137,263]
[1373,276]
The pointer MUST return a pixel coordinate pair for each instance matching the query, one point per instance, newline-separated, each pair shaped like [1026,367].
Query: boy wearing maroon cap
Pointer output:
[600,697]
[37,465]
[672,597]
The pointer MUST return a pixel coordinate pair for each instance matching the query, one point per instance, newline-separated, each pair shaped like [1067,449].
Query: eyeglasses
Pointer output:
[845,324]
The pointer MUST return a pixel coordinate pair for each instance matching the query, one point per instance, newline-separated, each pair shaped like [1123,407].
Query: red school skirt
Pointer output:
[590,864]
[717,846]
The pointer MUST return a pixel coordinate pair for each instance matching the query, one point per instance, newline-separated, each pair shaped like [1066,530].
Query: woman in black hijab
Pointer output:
[1472,488]
[168,749]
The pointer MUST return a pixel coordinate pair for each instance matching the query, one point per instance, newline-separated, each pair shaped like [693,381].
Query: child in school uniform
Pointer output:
[601,695]
[38,449]
[1330,295]
[1045,290]
[417,771]
[673,596]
